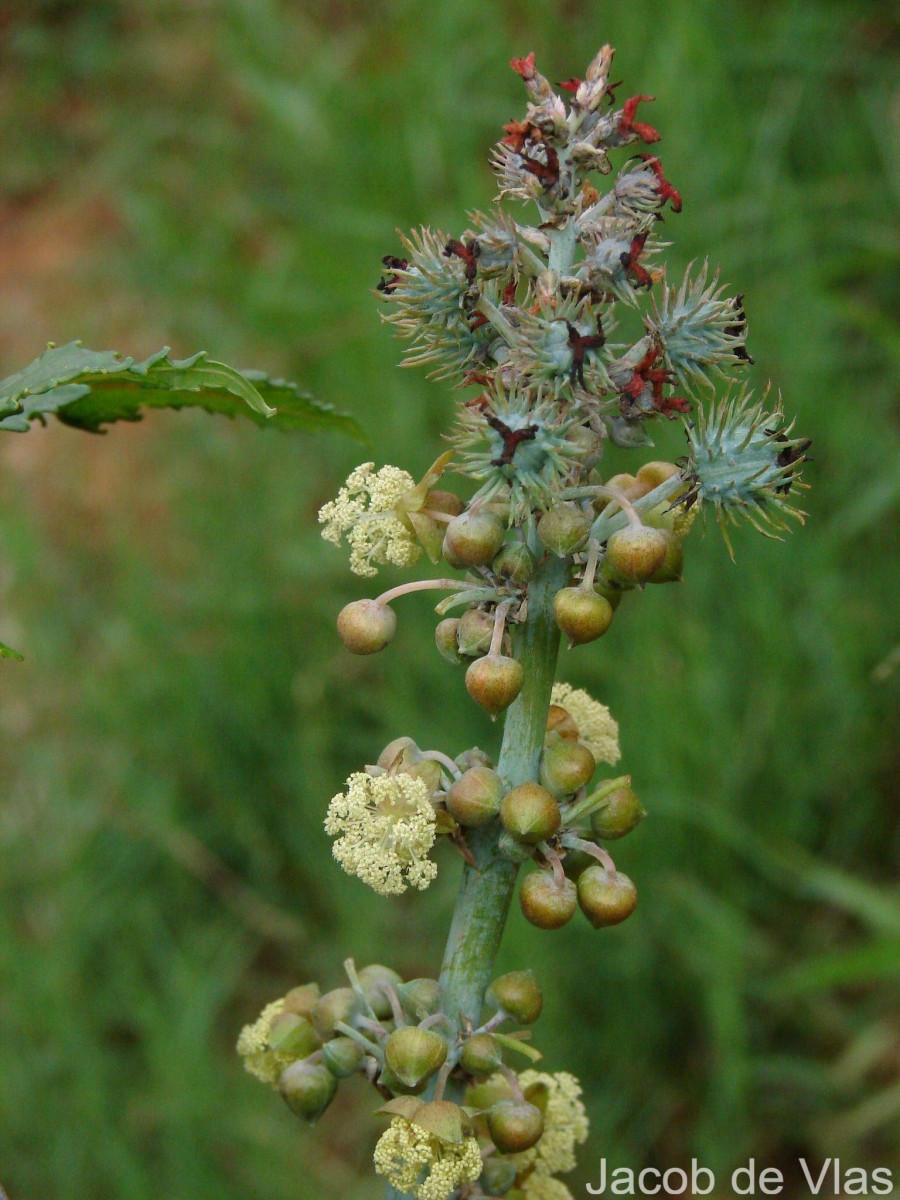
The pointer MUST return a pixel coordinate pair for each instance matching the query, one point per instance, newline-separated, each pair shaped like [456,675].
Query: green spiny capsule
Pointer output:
[566,767]
[546,903]
[420,997]
[480,1054]
[445,638]
[338,1005]
[515,1126]
[494,682]
[530,813]
[582,615]
[307,1089]
[473,538]
[302,1000]
[515,563]
[474,799]
[414,1054]
[635,553]
[605,899]
[365,626]
[375,980]
[518,994]
[293,1035]
[621,812]
[474,633]
[342,1056]
[564,529]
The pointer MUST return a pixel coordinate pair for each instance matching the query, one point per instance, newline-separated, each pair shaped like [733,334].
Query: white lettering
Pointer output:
[601,1188]
[883,1177]
[814,1187]
[645,1190]
[750,1172]
[667,1186]
[622,1182]
[771,1181]
[696,1172]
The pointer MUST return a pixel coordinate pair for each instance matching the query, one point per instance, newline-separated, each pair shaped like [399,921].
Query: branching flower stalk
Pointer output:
[547,545]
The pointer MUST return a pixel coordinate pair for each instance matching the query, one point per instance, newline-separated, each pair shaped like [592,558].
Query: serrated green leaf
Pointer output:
[8,652]
[92,388]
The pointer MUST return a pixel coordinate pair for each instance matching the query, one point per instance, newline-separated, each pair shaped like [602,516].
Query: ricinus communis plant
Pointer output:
[545,546]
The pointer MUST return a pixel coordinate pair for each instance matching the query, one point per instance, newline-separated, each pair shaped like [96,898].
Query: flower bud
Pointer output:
[473,538]
[634,553]
[669,571]
[442,501]
[374,980]
[473,757]
[564,529]
[365,626]
[610,589]
[480,1054]
[577,861]
[581,615]
[342,1056]
[518,994]
[302,1000]
[515,1126]
[566,767]
[605,899]
[628,485]
[389,1080]
[498,1176]
[293,1035]
[620,812]
[445,635]
[484,1093]
[545,903]
[475,798]
[307,1089]
[656,473]
[340,1004]
[515,563]
[414,1054]
[474,633]
[530,813]
[494,681]
[420,997]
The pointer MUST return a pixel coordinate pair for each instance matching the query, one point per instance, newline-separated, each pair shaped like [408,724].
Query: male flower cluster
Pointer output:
[364,512]
[595,725]
[423,1165]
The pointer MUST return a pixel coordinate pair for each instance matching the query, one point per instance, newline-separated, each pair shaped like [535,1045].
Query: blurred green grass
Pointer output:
[228,176]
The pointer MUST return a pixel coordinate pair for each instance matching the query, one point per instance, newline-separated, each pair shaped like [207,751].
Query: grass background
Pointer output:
[227,176]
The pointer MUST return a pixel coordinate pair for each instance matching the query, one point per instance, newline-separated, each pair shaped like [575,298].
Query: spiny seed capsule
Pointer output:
[473,538]
[339,1005]
[581,615]
[445,635]
[365,626]
[530,813]
[494,681]
[474,633]
[342,1056]
[672,566]
[474,798]
[302,1000]
[620,813]
[515,1126]
[375,980]
[564,529]
[605,899]
[414,1054]
[566,767]
[518,994]
[546,903]
[292,1034]
[307,1089]
[480,1054]
[634,553]
[515,562]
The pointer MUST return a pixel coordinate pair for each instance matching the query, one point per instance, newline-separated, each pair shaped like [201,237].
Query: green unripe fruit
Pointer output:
[566,767]
[365,626]
[474,633]
[420,997]
[518,994]
[564,529]
[498,1176]
[494,682]
[480,1054]
[545,903]
[307,1089]
[515,1126]
[293,1035]
[621,812]
[672,564]
[475,798]
[374,980]
[414,1054]
[473,538]
[445,638]
[302,1000]
[634,553]
[581,615]
[515,562]
[342,1056]
[530,813]
[605,899]
[338,1005]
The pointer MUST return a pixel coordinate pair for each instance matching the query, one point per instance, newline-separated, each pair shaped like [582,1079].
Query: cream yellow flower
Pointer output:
[596,727]
[565,1125]
[364,512]
[253,1046]
[385,827]
[416,1162]
[544,1187]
